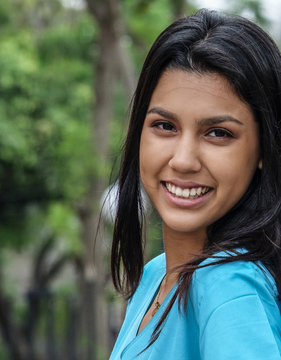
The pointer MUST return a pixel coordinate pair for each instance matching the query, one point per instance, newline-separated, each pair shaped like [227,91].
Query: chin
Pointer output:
[184,228]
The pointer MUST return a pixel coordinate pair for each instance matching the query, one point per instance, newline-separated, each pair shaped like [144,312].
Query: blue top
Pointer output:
[232,313]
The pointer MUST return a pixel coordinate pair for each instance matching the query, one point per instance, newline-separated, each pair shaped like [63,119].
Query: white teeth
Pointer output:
[178,191]
[186,193]
[193,192]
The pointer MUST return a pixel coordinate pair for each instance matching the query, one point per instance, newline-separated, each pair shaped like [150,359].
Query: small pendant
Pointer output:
[157,306]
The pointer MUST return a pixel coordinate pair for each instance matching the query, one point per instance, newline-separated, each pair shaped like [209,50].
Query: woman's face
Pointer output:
[199,150]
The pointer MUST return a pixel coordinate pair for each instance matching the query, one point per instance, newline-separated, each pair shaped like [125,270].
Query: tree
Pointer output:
[66,79]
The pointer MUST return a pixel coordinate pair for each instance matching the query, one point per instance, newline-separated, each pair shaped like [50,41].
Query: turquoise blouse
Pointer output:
[232,313]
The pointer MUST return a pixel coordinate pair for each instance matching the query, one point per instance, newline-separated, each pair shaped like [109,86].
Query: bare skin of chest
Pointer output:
[164,290]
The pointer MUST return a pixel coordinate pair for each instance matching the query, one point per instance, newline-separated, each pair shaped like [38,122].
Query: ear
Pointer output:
[260,164]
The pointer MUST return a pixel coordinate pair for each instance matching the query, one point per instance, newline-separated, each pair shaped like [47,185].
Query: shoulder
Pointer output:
[236,277]
[155,266]
[236,303]
[152,272]
[222,283]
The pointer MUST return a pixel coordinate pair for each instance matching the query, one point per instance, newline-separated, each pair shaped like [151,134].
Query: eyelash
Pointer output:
[223,132]
[158,125]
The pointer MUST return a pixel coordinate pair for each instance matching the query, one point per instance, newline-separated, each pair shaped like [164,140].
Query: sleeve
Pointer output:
[237,313]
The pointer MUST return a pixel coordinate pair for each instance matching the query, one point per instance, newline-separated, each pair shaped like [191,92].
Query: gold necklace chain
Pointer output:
[157,304]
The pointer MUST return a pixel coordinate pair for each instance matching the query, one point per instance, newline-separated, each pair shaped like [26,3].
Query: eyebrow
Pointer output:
[213,120]
[162,112]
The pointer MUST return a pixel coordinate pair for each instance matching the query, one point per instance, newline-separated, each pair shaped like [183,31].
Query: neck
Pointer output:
[181,247]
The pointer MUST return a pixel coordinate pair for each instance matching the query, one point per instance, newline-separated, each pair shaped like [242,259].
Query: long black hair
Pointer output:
[240,51]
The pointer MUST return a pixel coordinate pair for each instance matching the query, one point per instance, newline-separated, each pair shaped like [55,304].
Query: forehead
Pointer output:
[207,94]
[212,83]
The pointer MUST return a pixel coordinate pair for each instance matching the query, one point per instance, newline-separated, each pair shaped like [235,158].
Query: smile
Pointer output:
[187,193]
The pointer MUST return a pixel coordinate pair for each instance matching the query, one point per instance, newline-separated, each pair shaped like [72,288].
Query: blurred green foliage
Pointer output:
[47,74]
[47,62]
[45,112]
[46,108]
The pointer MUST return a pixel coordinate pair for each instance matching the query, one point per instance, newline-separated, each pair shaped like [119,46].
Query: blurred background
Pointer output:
[68,69]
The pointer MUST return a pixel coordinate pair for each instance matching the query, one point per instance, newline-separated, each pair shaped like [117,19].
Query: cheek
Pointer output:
[143,172]
[235,172]
[148,167]
[146,162]
[142,158]
[151,157]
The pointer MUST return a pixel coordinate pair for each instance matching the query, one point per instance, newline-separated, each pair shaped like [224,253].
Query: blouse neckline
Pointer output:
[148,329]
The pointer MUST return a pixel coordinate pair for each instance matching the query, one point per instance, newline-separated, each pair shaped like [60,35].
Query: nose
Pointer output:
[185,157]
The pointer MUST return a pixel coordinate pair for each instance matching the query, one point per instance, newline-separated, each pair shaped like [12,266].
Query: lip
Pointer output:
[183,202]
[184,184]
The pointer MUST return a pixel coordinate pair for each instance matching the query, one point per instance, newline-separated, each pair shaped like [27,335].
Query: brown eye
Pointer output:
[219,133]
[164,126]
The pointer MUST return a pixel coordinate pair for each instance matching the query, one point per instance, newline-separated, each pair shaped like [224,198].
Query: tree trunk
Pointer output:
[11,333]
[112,61]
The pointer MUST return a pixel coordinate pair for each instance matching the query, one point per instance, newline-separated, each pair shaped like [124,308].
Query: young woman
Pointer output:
[205,142]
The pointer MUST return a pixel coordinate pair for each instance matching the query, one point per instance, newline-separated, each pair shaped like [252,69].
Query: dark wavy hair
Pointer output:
[240,51]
